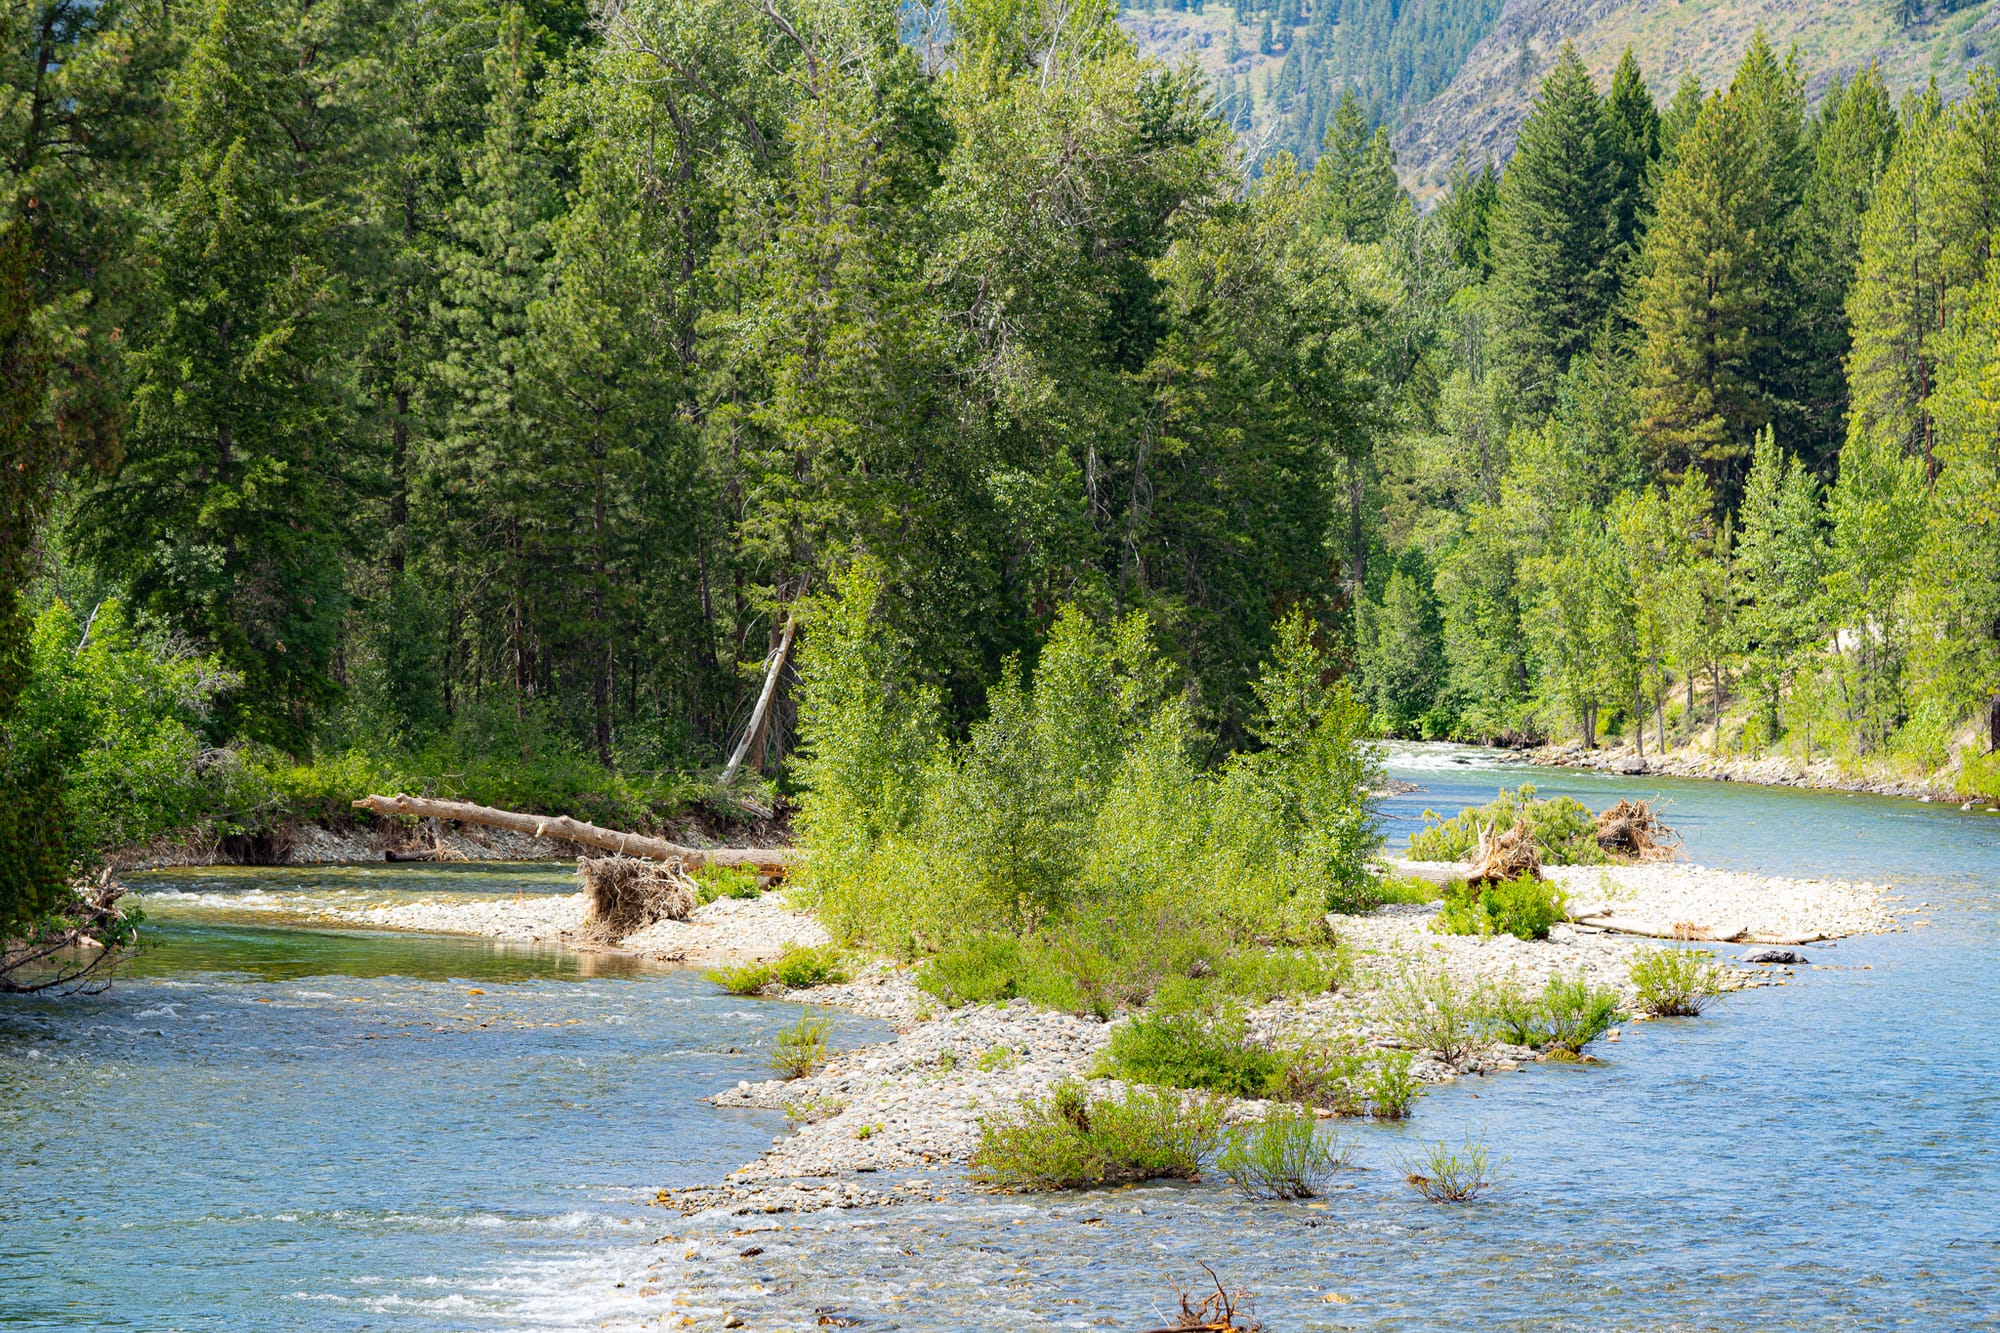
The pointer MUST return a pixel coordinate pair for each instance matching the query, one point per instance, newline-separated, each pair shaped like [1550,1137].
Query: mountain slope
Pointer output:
[1485,102]
[1446,73]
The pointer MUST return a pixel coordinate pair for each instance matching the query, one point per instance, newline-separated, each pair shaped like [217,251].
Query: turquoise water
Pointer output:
[273,1128]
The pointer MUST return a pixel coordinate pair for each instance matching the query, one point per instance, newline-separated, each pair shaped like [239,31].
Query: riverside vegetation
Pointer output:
[483,430]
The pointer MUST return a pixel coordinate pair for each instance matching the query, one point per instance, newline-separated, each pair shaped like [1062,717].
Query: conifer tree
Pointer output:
[1706,299]
[1555,232]
[1854,136]
[1633,123]
[226,513]
[1354,181]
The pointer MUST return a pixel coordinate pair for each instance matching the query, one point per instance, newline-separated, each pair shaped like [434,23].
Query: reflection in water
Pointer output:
[266,1128]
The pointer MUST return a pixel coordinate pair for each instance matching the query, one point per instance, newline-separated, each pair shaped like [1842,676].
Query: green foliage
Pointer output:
[1066,1140]
[1566,1016]
[1427,1010]
[1676,982]
[800,1049]
[1075,817]
[795,968]
[1347,1080]
[1284,1156]
[109,726]
[1444,1174]
[1191,1050]
[1526,908]
[743,979]
[798,966]
[712,882]
[1565,830]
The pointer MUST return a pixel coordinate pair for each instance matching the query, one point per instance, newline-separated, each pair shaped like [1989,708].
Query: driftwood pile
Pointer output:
[1503,855]
[624,894]
[1631,829]
[1219,1311]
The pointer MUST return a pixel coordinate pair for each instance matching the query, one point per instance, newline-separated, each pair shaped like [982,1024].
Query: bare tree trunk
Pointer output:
[761,716]
[774,860]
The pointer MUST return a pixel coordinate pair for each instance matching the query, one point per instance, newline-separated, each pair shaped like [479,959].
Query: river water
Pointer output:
[268,1127]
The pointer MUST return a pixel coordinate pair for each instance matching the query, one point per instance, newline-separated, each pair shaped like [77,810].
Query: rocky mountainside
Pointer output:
[1491,59]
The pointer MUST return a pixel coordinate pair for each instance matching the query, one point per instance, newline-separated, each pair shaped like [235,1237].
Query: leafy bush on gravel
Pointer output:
[1526,908]
[1066,1140]
[796,967]
[801,1048]
[1284,1157]
[1677,982]
[1564,828]
[1568,1015]
[1192,1050]
[1347,1080]
[1428,1010]
[712,882]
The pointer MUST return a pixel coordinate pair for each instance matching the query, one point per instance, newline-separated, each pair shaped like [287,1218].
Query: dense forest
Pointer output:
[460,391]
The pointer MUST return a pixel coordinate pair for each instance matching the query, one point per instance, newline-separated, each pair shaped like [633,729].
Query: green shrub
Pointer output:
[1066,1140]
[984,969]
[1347,1080]
[1565,829]
[1191,1050]
[1566,1016]
[1427,1010]
[1264,975]
[1575,1013]
[801,1048]
[1527,908]
[747,979]
[1444,1174]
[998,1058]
[712,882]
[798,967]
[1389,1087]
[1676,983]
[1284,1157]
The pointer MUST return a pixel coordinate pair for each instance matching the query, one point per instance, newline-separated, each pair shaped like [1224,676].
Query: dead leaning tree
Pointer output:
[760,716]
[764,860]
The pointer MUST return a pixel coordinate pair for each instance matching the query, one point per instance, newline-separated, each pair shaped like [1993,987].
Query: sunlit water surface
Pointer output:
[274,1128]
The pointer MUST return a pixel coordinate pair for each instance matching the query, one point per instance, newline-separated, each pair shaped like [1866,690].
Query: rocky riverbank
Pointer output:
[1822,774]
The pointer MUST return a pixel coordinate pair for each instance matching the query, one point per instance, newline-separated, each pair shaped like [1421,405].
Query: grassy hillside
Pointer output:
[1279,66]
[1446,73]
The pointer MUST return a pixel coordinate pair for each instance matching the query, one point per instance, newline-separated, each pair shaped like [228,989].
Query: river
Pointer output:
[262,1126]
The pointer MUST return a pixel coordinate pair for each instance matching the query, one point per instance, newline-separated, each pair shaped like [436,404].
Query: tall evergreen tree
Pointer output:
[227,512]
[1853,138]
[1634,128]
[1555,232]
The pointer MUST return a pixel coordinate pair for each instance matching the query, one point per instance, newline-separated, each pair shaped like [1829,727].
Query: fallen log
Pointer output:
[766,860]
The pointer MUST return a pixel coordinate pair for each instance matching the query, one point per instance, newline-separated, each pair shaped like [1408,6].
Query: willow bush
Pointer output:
[1079,807]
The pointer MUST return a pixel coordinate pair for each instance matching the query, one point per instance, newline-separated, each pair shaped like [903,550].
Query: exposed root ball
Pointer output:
[1630,828]
[625,894]
[1505,855]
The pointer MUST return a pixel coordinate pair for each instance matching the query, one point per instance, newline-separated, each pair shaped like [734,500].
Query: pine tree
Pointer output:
[227,511]
[1354,182]
[1854,136]
[1705,298]
[1555,233]
[1634,128]
[480,483]
[1467,213]
[1926,243]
